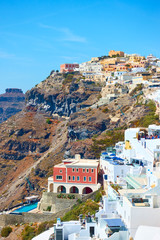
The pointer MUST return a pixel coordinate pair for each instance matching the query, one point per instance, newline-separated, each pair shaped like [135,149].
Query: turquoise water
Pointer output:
[26,208]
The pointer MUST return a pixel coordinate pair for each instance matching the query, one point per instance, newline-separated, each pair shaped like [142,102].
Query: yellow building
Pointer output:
[136,58]
[141,64]
[115,53]
[109,61]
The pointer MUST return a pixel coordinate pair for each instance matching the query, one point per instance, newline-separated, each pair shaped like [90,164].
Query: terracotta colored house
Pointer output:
[68,67]
[75,176]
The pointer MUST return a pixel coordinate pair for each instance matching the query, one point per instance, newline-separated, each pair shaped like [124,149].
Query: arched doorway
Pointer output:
[74,190]
[87,190]
[61,189]
[51,187]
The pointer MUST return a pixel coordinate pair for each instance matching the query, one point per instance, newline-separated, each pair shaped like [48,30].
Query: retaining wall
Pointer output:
[12,219]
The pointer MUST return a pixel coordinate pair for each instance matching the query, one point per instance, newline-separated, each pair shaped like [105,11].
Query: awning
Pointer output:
[114,222]
[31,197]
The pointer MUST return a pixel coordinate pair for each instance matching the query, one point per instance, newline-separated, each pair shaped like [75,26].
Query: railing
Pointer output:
[132,180]
[150,152]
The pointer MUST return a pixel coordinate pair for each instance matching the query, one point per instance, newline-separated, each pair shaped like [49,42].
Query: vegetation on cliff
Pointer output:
[149,118]
[109,139]
[6,231]
[82,208]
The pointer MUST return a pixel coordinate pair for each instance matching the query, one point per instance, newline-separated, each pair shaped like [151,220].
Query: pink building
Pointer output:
[75,176]
[68,67]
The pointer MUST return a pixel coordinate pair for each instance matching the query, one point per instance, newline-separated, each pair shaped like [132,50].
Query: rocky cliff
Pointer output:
[33,140]
[11,102]
[62,94]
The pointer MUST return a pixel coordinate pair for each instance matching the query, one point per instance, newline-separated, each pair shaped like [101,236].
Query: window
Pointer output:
[60,171]
[72,169]
[83,169]
[58,177]
[69,178]
[84,179]
[77,178]
[73,178]
[90,179]
[87,170]
[77,170]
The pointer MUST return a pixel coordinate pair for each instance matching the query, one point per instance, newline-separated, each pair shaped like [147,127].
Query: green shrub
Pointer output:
[42,227]
[71,196]
[59,195]
[48,121]
[98,197]
[6,231]
[79,201]
[28,233]
[48,208]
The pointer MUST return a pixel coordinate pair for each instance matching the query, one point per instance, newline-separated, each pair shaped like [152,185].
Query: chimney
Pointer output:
[77,157]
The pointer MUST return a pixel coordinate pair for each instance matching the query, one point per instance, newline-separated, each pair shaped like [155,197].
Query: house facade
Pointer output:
[68,67]
[75,176]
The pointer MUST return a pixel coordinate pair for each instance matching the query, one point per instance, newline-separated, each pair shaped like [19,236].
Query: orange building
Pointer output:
[109,67]
[116,53]
[142,63]
[121,67]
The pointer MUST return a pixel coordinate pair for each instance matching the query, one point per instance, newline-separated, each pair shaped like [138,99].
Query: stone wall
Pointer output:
[12,219]
[57,204]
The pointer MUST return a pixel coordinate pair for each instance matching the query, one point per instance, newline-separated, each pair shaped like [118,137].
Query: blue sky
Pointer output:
[37,36]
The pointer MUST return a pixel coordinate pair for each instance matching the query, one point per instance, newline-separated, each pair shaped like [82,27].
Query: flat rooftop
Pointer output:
[78,163]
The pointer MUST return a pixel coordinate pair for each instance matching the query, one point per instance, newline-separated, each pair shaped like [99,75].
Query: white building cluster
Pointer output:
[131,207]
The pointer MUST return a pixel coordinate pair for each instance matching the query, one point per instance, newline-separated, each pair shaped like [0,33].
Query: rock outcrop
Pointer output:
[11,102]
[64,96]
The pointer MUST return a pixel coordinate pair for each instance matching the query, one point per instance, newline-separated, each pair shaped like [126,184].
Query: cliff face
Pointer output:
[32,141]
[62,94]
[11,102]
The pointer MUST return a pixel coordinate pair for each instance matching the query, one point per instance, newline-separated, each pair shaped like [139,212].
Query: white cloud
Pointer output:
[6,55]
[68,34]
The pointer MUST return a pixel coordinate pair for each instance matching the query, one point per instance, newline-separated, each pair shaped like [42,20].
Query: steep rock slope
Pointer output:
[26,139]
[32,141]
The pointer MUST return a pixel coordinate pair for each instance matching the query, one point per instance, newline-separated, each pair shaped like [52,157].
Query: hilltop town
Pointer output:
[125,68]
[84,153]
